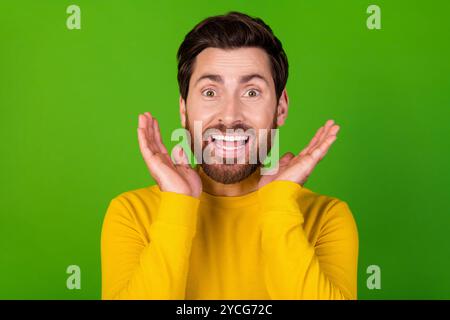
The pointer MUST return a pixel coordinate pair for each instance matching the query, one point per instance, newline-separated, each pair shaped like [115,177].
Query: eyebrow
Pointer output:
[244,79]
[212,77]
[252,76]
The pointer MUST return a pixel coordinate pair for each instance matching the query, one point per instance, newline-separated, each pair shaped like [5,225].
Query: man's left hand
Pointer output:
[297,168]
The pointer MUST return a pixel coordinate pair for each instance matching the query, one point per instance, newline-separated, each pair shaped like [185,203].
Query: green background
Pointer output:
[69,101]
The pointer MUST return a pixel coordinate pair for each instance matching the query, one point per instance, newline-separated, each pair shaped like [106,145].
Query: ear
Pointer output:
[282,108]
[183,112]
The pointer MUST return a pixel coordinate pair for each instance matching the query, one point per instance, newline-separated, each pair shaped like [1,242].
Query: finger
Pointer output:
[312,142]
[334,130]
[184,158]
[179,156]
[142,131]
[330,129]
[158,138]
[286,158]
[327,127]
[151,132]
[143,144]
[141,121]
[149,126]
[327,145]
[319,137]
[320,152]
[308,163]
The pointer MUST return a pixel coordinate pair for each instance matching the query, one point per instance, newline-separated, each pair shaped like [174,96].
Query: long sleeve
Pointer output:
[133,268]
[293,267]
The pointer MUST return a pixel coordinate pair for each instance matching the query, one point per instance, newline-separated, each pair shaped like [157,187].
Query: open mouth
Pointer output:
[229,142]
[229,146]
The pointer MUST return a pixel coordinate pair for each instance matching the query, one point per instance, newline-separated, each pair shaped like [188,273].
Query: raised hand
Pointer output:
[176,177]
[297,168]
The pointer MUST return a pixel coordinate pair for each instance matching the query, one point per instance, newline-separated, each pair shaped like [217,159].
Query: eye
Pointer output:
[210,93]
[252,93]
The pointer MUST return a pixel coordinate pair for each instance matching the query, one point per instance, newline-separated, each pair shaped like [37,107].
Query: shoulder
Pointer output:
[326,213]
[132,205]
[321,202]
[136,198]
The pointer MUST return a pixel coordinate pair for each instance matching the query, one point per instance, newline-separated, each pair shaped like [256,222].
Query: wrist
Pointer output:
[181,191]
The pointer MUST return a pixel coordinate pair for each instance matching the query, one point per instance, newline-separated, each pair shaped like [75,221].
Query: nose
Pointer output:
[231,113]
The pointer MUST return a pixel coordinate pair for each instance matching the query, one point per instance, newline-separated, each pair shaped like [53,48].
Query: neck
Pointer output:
[241,188]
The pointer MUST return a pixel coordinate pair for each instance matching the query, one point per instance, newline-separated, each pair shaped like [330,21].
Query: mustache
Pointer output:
[223,129]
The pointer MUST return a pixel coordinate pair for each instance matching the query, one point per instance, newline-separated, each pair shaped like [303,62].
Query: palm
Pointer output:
[174,176]
[298,168]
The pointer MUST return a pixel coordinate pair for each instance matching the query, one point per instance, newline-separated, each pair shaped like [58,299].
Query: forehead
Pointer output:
[232,62]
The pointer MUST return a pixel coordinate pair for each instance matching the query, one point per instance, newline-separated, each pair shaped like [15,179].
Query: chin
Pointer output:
[229,173]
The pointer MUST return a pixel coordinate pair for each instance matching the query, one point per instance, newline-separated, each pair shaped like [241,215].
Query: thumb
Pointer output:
[179,156]
[286,158]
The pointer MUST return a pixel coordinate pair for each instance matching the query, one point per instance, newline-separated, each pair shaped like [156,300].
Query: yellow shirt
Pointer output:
[280,242]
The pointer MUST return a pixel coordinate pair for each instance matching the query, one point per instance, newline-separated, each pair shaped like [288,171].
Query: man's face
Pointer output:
[232,95]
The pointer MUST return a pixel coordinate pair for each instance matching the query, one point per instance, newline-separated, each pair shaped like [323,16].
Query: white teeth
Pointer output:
[229,148]
[229,138]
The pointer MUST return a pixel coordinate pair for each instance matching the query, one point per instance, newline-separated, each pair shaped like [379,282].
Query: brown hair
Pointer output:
[231,31]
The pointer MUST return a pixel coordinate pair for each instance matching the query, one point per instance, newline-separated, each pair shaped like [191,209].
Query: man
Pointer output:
[223,230]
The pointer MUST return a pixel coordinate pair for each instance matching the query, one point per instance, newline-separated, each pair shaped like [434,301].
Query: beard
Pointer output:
[231,173]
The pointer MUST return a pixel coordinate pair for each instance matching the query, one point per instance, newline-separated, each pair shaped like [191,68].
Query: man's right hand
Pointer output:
[176,177]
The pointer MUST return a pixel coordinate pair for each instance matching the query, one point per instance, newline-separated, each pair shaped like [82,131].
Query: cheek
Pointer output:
[204,116]
[262,118]
[199,119]
[197,110]
[261,113]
